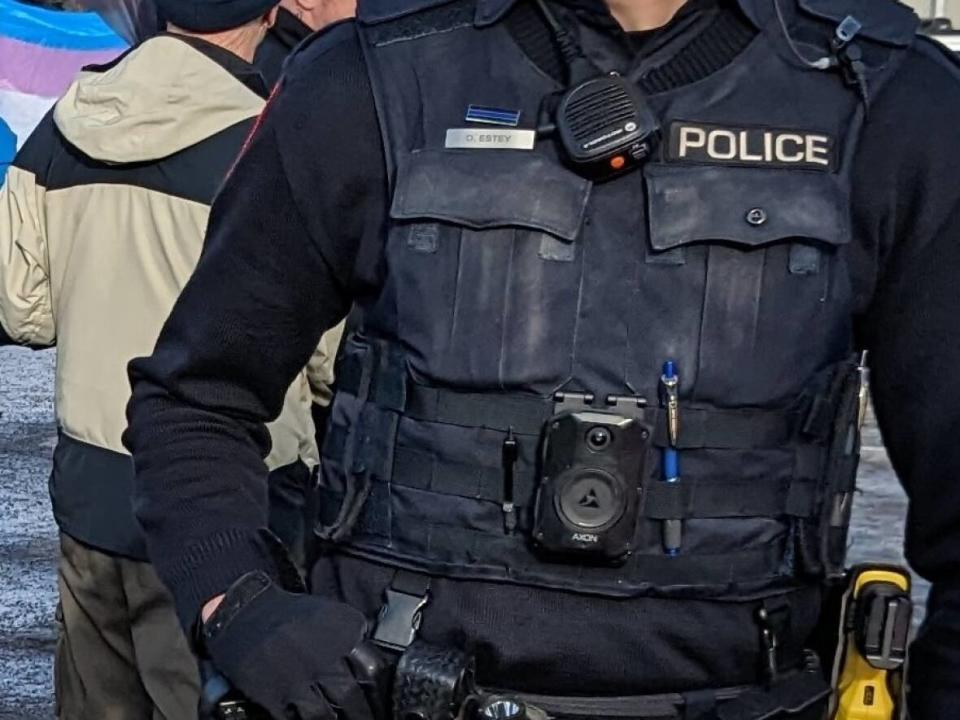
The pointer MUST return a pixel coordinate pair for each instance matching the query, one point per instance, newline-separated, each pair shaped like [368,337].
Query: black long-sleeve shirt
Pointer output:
[296,236]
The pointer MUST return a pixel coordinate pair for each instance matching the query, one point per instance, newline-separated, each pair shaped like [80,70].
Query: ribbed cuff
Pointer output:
[206,569]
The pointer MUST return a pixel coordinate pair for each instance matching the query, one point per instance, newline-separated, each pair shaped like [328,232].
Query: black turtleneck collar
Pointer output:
[289,29]
[702,37]
[598,12]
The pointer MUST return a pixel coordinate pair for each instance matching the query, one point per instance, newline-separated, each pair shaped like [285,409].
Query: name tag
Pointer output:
[482,139]
[756,146]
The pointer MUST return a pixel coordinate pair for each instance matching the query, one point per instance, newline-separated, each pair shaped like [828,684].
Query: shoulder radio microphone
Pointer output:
[604,125]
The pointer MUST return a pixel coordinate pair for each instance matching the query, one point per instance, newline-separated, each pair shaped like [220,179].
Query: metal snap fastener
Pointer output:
[757,216]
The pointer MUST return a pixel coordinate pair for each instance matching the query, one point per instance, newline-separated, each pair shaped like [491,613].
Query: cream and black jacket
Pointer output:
[102,219]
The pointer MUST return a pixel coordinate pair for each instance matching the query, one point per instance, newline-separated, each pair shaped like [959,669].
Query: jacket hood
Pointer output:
[160,98]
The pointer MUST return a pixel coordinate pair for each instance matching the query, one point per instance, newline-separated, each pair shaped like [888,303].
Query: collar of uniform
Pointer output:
[490,11]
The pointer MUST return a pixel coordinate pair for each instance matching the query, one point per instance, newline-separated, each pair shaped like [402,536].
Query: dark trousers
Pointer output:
[121,654]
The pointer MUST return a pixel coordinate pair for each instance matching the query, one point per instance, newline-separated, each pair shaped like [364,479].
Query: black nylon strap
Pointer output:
[424,472]
[799,691]
[497,412]
[411,583]
[725,429]
[699,704]
[699,427]
[481,552]
[793,694]
[730,498]
[335,443]
[701,497]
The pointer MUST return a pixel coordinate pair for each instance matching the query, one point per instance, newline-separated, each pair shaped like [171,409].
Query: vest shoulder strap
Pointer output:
[383,22]
[374,12]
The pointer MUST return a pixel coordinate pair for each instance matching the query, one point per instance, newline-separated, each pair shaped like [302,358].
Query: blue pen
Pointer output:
[670,385]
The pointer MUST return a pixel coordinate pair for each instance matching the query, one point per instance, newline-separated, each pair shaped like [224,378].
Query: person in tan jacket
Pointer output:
[102,218]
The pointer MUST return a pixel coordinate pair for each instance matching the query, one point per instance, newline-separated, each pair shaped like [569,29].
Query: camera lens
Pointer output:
[598,438]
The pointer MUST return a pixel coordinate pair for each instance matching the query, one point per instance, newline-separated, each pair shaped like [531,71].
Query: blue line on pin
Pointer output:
[493,116]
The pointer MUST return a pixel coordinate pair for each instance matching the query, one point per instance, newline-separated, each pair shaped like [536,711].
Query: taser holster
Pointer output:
[868,676]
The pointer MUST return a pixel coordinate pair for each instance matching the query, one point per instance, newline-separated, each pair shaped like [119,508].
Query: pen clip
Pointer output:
[863,394]
[670,384]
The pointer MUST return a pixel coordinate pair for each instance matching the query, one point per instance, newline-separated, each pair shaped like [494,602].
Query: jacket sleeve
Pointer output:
[292,433]
[26,307]
[286,230]
[320,368]
[910,328]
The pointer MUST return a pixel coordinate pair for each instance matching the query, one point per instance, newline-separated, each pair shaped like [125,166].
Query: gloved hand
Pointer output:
[297,656]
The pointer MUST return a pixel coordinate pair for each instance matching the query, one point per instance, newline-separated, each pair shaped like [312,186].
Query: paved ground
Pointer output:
[28,538]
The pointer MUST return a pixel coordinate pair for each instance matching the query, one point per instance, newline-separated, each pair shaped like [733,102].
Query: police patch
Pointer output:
[702,143]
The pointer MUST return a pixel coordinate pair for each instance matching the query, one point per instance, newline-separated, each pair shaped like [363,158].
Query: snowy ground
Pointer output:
[28,544]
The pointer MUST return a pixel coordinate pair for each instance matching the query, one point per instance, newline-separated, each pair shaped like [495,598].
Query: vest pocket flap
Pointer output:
[744,206]
[491,188]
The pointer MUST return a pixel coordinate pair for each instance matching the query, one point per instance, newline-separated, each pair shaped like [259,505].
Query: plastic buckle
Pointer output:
[399,620]
[847,30]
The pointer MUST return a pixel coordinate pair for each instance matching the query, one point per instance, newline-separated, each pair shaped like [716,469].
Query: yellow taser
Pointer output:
[875,628]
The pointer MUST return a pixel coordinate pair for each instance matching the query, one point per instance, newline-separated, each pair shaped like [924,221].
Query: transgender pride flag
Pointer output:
[40,53]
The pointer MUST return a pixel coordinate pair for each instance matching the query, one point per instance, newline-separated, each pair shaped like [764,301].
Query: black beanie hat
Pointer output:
[212,15]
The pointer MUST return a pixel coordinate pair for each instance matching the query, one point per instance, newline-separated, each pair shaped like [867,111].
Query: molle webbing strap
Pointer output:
[701,497]
[701,427]
[731,497]
[483,553]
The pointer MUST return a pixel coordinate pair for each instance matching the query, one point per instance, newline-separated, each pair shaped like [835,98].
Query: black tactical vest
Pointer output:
[510,279]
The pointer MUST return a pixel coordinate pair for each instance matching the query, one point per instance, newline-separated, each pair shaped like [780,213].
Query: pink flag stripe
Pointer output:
[38,70]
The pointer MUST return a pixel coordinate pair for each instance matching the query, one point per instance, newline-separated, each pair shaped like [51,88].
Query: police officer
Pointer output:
[568,288]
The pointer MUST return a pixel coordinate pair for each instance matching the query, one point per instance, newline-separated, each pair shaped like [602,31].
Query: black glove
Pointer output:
[297,656]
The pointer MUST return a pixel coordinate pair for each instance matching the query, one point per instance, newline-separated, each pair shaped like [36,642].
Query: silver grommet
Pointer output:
[756,216]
